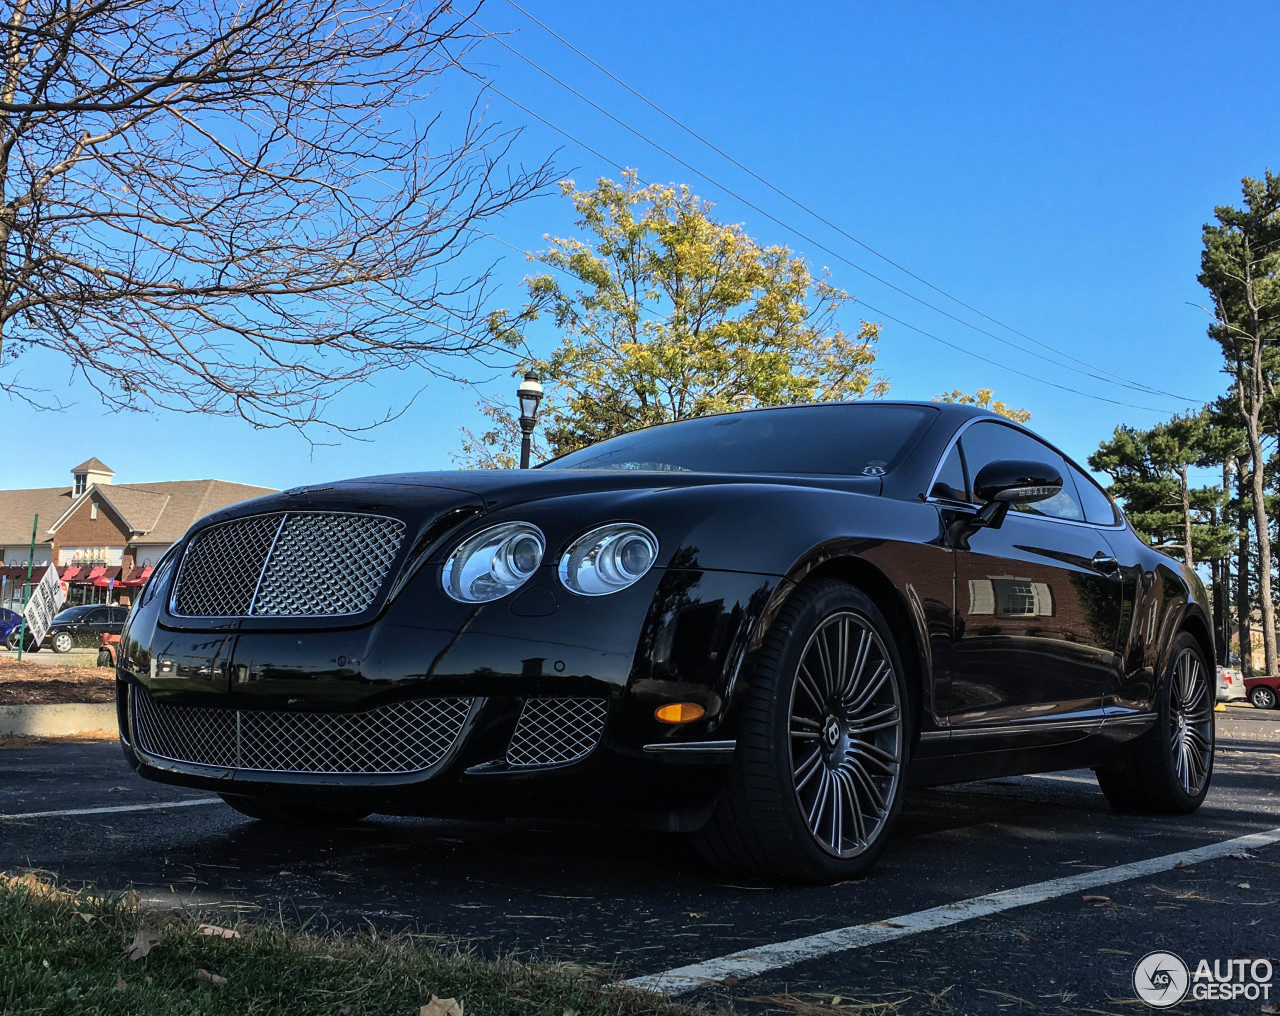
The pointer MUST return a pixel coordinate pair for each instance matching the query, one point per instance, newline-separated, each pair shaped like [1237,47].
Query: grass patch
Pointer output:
[64,952]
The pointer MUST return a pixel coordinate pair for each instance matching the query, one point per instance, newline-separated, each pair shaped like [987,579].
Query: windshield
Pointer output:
[842,439]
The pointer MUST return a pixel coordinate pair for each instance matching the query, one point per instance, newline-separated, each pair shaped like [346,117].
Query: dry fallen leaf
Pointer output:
[729,981]
[143,942]
[87,918]
[1244,885]
[213,929]
[131,900]
[1181,864]
[698,915]
[148,980]
[121,983]
[215,979]
[441,1007]
[1096,899]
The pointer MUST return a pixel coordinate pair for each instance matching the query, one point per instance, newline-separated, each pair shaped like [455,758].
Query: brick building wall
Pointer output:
[83,530]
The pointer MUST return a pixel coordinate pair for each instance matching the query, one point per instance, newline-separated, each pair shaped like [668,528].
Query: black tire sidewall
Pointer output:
[821,600]
[1180,798]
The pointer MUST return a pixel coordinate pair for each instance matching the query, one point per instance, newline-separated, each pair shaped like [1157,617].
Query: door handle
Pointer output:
[1105,563]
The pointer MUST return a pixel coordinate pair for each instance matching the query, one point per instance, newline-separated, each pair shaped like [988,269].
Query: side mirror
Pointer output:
[1011,481]
[1016,481]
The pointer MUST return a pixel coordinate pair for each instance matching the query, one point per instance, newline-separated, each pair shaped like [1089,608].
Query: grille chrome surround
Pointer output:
[556,731]
[287,564]
[401,738]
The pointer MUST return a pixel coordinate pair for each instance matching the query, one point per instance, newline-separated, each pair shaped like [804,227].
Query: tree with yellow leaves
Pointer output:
[985,399]
[668,314]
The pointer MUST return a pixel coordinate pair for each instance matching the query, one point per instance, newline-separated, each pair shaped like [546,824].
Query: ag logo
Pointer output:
[1160,979]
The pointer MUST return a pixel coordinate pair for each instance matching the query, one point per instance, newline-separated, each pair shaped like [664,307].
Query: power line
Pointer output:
[1095,372]
[874,310]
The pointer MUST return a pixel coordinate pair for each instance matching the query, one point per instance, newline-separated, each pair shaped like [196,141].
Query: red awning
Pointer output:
[70,572]
[137,577]
[90,577]
[105,579]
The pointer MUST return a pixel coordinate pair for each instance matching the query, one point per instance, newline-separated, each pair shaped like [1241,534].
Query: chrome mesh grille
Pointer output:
[403,737]
[294,564]
[221,567]
[552,731]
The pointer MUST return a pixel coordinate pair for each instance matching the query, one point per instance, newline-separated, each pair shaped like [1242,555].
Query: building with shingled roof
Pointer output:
[103,537]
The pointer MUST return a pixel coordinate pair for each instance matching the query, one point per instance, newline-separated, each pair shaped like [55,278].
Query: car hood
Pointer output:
[498,487]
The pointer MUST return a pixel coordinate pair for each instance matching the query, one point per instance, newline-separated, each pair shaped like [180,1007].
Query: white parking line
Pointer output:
[108,811]
[775,956]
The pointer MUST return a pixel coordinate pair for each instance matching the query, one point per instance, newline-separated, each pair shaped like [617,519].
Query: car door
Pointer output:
[88,631]
[1037,610]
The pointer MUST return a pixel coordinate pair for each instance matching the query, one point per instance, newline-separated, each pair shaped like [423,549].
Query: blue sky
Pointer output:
[1049,165]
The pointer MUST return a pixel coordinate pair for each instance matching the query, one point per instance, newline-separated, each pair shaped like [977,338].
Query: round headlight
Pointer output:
[608,559]
[493,562]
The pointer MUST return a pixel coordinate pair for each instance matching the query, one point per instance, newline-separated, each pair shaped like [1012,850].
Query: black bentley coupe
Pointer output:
[759,628]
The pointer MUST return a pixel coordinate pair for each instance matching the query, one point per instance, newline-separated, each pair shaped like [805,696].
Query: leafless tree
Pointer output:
[244,208]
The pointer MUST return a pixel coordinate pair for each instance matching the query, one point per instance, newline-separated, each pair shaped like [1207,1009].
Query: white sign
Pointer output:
[46,600]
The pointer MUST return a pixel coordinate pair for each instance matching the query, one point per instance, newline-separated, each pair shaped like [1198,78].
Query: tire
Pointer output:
[105,659]
[1263,697]
[278,812]
[817,779]
[61,642]
[11,641]
[1172,768]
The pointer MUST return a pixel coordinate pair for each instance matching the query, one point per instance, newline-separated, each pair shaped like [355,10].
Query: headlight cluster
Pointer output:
[608,559]
[499,560]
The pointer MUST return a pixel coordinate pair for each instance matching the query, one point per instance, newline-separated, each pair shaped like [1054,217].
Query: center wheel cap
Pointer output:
[831,731]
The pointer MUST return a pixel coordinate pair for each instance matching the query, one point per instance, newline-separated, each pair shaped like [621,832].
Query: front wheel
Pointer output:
[278,812]
[817,780]
[1263,697]
[61,642]
[1172,768]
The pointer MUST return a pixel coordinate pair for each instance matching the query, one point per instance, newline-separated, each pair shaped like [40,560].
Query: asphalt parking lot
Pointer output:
[644,903]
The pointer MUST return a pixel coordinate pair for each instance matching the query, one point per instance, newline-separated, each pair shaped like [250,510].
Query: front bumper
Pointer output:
[589,671]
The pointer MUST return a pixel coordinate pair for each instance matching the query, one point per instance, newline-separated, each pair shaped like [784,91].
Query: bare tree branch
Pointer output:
[232,208]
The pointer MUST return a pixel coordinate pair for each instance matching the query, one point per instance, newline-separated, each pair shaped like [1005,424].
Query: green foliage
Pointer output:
[1149,472]
[985,399]
[673,315]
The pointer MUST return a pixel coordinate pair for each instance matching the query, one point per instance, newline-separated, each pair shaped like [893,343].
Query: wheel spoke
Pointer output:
[853,676]
[824,659]
[807,682]
[877,681]
[868,784]
[819,799]
[849,795]
[804,772]
[873,753]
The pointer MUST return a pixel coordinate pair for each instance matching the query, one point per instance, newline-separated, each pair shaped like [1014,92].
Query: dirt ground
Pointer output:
[48,684]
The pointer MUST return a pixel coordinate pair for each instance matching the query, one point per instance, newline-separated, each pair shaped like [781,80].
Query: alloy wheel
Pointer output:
[1263,698]
[62,642]
[1191,722]
[846,735]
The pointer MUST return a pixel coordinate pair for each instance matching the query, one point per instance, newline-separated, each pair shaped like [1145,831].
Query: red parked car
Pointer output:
[1263,692]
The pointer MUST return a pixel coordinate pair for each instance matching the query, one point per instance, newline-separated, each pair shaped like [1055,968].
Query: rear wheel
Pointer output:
[1263,697]
[817,780]
[61,642]
[105,659]
[1171,771]
[30,645]
[291,813]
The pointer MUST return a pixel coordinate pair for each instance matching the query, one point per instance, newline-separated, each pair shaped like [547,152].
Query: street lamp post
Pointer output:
[530,394]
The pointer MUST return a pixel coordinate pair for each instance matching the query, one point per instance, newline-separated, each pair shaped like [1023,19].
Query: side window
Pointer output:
[986,442]
[1097,506]
[950,484]
[119,615]
[98,616]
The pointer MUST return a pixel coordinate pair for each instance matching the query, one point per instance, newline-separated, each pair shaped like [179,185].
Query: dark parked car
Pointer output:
[757,627]
[84,626]
[10,622]
[1263,692]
